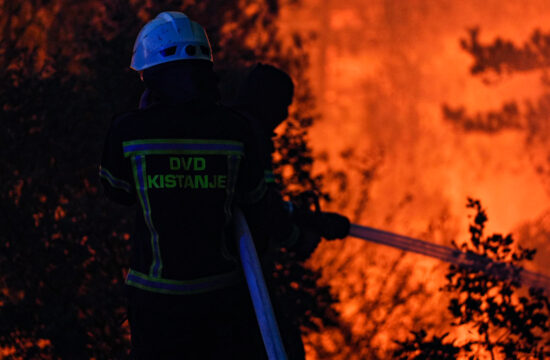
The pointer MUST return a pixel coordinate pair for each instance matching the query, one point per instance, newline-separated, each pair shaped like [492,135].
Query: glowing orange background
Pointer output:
[381,71]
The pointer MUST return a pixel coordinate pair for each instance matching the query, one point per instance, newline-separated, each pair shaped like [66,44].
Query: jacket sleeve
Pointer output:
[265,209]
[251,186]
[115,170]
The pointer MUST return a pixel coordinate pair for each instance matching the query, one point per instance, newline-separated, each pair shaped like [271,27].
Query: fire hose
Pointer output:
[258,290]
[450,255]
[260,296]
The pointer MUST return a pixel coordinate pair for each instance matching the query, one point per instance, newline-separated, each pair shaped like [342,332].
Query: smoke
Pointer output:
[383,72]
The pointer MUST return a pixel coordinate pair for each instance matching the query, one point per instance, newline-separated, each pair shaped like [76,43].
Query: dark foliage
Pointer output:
[508,321]
[503,56]
[64,247]
[497,62]
[493,62]
[491,122]
[297,290]
[503,319]
[420,347]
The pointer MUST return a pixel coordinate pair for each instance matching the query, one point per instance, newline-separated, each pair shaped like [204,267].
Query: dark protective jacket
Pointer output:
[184,165]
[186,161]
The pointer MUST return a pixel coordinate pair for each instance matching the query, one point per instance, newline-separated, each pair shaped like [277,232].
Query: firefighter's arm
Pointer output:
[295,228]
[115,170]
[262,203]
[274,218]
[329,225]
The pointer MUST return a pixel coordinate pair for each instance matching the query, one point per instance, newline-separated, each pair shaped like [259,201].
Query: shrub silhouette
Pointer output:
[504,319]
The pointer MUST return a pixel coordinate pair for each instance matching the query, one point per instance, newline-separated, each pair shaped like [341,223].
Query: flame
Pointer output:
[381,72]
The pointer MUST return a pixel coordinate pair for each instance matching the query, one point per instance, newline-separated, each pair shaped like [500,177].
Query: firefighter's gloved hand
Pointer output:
[307,243]
[332,226]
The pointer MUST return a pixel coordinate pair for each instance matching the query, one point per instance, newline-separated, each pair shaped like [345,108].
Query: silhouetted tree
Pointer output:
[494,63]
[502,318]
[420,348]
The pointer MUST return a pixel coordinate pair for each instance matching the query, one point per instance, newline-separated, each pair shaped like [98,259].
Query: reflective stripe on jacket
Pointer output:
[185,166]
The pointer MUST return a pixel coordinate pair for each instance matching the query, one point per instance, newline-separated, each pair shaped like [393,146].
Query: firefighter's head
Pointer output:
[268,92]
[174,57]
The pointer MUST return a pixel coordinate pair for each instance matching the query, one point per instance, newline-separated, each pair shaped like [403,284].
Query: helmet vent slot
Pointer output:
[190,50]
[168,51]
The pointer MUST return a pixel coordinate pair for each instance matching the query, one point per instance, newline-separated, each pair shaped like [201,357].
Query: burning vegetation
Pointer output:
[402,110]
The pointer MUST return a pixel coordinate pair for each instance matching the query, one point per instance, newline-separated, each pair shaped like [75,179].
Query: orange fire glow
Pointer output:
[381,71]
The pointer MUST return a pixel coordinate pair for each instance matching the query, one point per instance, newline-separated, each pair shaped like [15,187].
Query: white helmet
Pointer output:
[169,37]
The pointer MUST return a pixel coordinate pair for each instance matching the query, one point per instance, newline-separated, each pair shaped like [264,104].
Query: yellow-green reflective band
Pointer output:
[182,287]
[114,181]
[183,152]
[182,146]
[292,238]
[269,176]
[255,195]
[182,141]
[140,172]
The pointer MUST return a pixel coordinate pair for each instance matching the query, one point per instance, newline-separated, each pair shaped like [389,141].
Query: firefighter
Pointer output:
[264,98]
[184,161]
